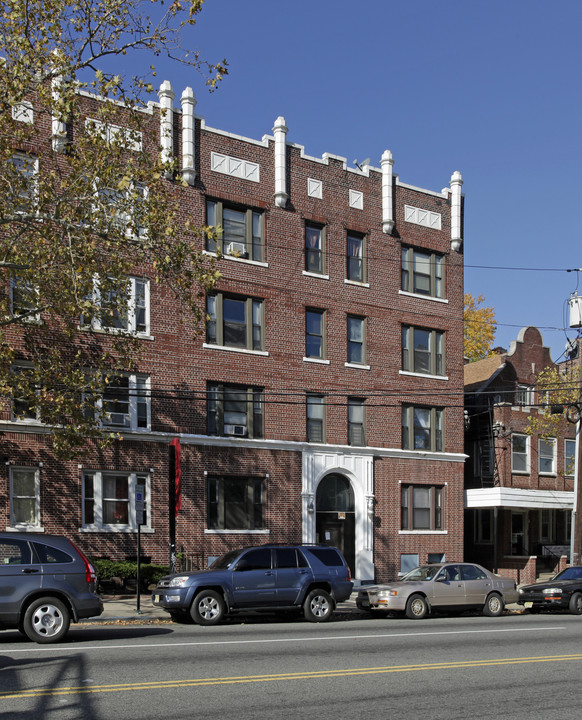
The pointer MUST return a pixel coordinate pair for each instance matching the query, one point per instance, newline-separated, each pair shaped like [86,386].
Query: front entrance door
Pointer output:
[335,522]
[518,533]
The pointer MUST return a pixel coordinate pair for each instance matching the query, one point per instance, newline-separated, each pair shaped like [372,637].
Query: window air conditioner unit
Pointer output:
[238,430]
[236,248]
[120,419]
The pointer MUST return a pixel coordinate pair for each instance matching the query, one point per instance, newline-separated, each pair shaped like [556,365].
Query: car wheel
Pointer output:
[46,620]
[208,608]
[575,606]
[493,605]
[416,607]
[318,606]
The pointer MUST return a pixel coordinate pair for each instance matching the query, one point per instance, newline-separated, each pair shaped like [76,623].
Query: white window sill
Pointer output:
[227,348]
[115,332]
[319,361]
[113,529]
[25,528]
[423,297]
[236,532]
[428,376]
[321,276]
[357,366]
[357,283]
[247,261]
[423,532]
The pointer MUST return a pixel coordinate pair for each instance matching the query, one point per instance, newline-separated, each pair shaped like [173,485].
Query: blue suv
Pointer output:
[307,578]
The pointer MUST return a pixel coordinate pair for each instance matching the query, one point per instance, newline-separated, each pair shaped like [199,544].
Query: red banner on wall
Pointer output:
[177,475]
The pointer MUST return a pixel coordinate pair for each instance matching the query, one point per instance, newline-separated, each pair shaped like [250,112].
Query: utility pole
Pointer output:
[576,547]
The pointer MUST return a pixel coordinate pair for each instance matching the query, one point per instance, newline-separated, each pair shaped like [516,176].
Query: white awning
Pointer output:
[518,498]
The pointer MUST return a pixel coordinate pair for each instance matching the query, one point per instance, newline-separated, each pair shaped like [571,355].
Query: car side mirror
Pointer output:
[441,578]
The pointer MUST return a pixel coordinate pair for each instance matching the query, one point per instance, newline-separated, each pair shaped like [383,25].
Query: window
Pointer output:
[314,333]
[422,428]
[24,301]
[355,258]
[24,181]
[356,340]
[314,249]
[423,272]
[315,418]
[126,403]
[116,314]
[235,410]
[423,350]
[236,503]
[547,456]
[24,498]
[234,321]
[421,507]
[123,207]
[520,453]
[23,392]
[242,230]
[569,457]
[356,421]
[483,526]
[524,395]
[109,500]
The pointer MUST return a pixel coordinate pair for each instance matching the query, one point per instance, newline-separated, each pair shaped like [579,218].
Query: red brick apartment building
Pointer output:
[519,484]
[325,401]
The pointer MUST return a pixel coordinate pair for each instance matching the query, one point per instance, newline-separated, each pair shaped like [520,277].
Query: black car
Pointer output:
[46,583]
[274,578]
[562,592]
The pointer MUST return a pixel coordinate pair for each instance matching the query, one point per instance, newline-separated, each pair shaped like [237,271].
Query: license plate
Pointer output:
[528,604]
[157,598]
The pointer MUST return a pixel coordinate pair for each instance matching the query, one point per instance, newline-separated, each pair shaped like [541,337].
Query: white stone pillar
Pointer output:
[280,132]
[387,163]
[59,127]
[456,225]
[166,95]
[188,137]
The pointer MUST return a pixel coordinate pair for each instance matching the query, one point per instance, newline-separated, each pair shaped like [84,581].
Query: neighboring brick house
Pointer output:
[519,486]
[324,403]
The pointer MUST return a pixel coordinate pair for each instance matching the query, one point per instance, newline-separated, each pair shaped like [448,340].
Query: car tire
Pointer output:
[494,605]
[575,606]
[208,608]
[416,607]
[318,606]
[46,620]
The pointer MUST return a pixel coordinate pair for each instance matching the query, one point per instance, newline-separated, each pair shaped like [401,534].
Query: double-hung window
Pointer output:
[236,503]
[421,507]
[423,350]
[315,418]
[356,421]
[24,299]
[234,321]
[235,410]
[315,333]
[569,457]
[121,307]
[109,500]
[356,339]
[24,498]
[24,182]
[520,453]
[242,230]
[547,456]
[122,207]
[524,395]
[422,428]
[356,271]
[24,407]
[126,402]
[423,272]
[314,249]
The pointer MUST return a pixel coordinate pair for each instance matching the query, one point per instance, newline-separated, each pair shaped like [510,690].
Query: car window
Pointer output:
[451,573]
[48,554]
[328,556]
[259,559]
[422,573]
[15,552]
[471,572]
[225,561]
[290,558]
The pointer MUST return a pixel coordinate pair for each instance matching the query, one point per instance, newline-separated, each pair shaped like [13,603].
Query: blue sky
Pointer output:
[487,87]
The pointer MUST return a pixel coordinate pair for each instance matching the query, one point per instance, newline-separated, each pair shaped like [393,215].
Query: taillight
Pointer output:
[349,573]
[90,574]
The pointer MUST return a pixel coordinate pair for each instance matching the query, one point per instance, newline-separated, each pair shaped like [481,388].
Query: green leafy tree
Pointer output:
[480,328]
[78,216]
[558,391]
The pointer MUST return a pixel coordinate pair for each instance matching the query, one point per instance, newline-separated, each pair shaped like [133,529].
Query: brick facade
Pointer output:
[180,364]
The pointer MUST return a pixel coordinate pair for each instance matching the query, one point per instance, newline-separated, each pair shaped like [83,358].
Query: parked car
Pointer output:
[562,592]
[307,578]
[441,586]
[46,583]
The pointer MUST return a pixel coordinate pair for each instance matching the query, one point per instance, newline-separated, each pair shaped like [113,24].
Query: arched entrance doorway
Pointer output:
[335,520]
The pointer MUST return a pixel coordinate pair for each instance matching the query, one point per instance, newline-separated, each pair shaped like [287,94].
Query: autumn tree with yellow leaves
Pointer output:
[480,328]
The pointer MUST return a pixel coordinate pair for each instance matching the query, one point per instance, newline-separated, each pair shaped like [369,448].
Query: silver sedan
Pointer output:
[442,587]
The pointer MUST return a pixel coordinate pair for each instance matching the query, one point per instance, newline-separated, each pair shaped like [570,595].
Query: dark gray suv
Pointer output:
[307,578]
[46,582]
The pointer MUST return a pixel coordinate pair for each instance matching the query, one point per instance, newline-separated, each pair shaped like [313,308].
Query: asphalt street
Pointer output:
[515,666]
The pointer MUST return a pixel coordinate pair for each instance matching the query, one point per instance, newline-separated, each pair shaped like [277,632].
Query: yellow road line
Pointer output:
[308,675]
